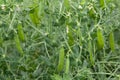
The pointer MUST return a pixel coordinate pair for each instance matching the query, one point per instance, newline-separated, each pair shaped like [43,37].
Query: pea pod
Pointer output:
[111,41]
[100,39]
[20,32]
[70,36]
[67,4]
[1,41]
[18,45]
[34,18]
[34,14]
[92,13]
[61,60]
[102,3]
[67,64]
[79,35]
[90,50]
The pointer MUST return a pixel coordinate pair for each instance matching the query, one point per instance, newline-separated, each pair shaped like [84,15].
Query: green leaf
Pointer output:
[67,77]
[56,77]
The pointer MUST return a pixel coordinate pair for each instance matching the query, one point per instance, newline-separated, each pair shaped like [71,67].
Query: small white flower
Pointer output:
[78,23]
[90,6]
[80,7]
[3,7]
[17,7]
[0,22]
[67,29]
[4,55]
[46,34]
[68,14]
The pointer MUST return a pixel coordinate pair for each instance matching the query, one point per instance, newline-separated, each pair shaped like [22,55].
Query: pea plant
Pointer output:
[59,40]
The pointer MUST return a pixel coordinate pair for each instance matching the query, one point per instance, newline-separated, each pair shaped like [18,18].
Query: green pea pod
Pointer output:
[61,60]
[79,35]
[18,45]
[102,3]
[90,50]
[1,41]
[70,39]
[83,2]
[34,16]
[20,32]
[111,41]
[70,36]
[92,13]
[67,4]
[100,39]
[67,64]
